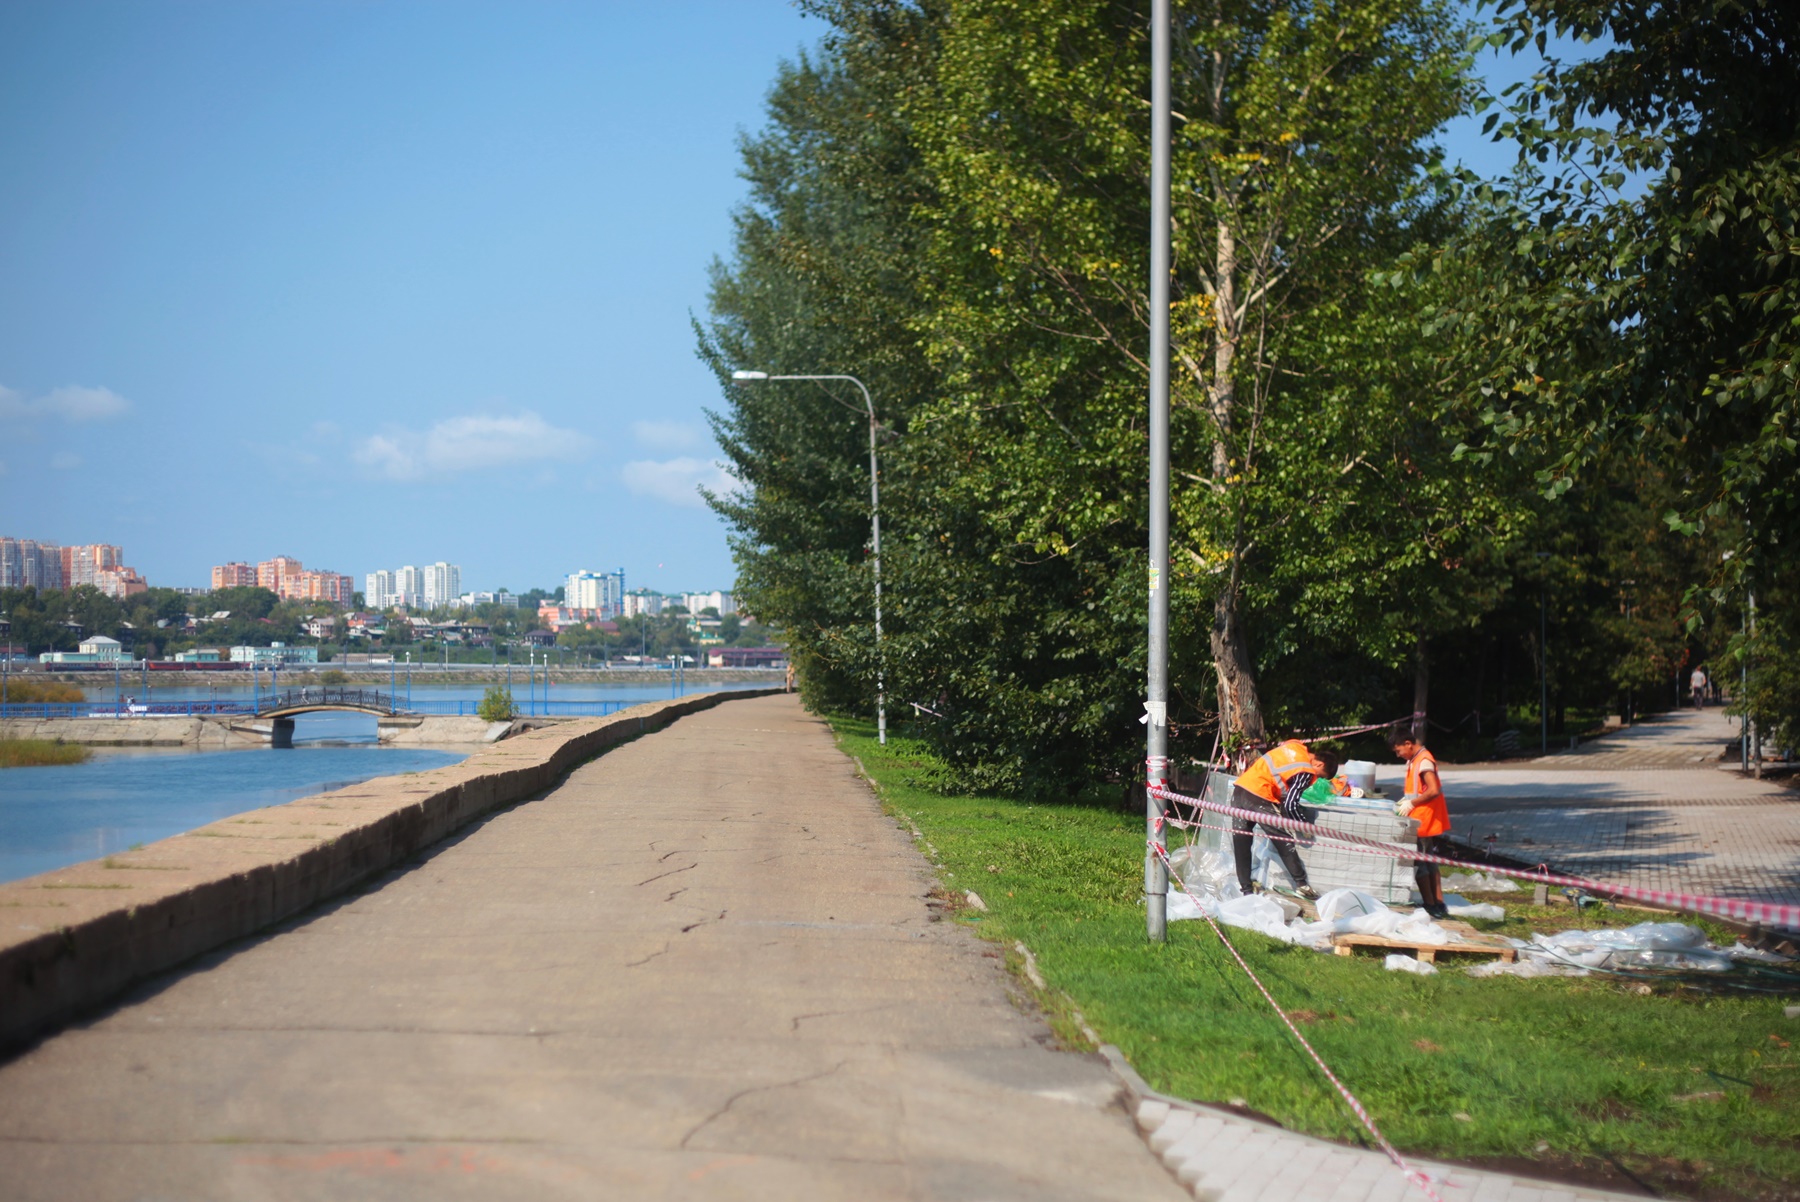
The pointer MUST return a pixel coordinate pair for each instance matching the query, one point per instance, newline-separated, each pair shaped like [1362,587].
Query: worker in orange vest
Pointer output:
[1424,803]
[1275,782]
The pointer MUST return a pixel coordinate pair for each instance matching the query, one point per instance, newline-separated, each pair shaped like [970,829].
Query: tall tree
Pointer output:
[1642,270]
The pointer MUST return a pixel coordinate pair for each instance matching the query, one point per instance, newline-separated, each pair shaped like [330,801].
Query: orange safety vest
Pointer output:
[1434,816]
[1269,775]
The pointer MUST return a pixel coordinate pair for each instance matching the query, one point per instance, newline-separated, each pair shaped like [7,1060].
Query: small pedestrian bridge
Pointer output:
[316,699]
[280,709]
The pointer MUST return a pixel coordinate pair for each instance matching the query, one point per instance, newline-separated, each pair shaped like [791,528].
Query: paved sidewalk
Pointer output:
[702,967]
[1650,806]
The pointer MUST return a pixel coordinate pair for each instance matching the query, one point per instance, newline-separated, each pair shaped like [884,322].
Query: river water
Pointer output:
[55,816]
[52,817]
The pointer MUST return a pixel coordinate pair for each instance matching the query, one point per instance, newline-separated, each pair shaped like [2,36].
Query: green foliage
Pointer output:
[1633,286]
[949,202]
[497,705]
[1569,1075]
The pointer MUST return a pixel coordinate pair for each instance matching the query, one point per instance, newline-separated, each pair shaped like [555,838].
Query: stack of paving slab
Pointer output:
[1336,866]
[1332,865]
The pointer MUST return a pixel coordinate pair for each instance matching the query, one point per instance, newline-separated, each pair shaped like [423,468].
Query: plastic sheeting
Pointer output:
[1663,945]
[1461,907]
[1397,962]
[1480,882]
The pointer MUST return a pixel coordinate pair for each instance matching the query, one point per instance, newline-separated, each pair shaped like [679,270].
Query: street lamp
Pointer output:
[1543,659]
[874,526]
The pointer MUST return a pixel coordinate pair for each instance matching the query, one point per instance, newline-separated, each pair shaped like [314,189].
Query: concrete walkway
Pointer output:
[702,967]
[1651,806]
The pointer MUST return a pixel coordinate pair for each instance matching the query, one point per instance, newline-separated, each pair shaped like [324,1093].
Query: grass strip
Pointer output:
[36,753]
[1685,1092]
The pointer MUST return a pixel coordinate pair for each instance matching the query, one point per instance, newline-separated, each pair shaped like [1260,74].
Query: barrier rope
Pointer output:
[1776,914]
[1417,1176]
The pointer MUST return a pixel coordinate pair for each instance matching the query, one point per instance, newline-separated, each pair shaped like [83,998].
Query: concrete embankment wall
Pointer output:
[72,939]
[431,730]
[129,732]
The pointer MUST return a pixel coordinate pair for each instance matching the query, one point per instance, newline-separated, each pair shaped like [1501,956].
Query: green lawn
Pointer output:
[1693,1094]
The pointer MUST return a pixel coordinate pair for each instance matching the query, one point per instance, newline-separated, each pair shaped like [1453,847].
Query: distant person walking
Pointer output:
[1697,686]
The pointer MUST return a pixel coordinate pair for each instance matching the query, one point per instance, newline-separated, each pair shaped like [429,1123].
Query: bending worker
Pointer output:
[1275,782]
[1424,802]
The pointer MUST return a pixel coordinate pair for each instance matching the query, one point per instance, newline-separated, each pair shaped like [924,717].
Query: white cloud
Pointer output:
[667,436]
[69,403]
[65,461]
[463,444]
[678,481]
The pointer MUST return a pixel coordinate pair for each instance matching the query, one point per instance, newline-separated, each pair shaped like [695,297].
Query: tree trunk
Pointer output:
[1421,689]
[1240,706]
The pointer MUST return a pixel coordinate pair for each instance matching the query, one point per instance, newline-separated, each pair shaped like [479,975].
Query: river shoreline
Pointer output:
[421,673]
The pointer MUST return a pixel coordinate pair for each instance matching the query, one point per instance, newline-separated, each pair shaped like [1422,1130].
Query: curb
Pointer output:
[73,939]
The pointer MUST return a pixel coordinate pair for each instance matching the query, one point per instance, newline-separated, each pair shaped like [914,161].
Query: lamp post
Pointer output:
[1543,659]
[874,529]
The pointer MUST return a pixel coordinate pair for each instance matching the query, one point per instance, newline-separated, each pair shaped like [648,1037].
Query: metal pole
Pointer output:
[1156,740]
[1543,671]
[874,533]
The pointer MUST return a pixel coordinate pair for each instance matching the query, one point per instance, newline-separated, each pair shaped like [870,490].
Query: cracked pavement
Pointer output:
[535,1011]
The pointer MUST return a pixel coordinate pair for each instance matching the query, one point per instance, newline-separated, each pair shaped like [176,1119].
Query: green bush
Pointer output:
[497,704]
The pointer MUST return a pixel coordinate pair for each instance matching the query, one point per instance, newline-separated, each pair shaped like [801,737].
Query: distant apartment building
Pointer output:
[272,573]
[235,574]
[470,600]
[440,584]
[27,563]
[643,602]
[430,587]
[379,590]
[601,592]
[120,582]
[723,602]
[82,564]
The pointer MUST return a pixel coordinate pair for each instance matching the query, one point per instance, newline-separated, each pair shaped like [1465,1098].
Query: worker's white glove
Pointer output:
[1356,793]
[1404,807]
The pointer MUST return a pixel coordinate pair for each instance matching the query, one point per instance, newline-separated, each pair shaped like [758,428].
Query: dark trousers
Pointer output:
[1426,876]
[1243,835]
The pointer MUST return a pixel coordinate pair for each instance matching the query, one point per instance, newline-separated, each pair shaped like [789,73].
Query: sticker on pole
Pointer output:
[1156,713]
[1155,576]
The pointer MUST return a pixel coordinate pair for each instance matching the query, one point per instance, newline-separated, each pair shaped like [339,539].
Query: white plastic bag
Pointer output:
[1403,963]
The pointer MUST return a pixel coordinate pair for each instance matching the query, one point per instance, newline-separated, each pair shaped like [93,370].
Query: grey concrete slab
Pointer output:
[701,967]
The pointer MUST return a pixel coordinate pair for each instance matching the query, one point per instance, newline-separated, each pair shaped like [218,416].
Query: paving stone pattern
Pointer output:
[1652,806]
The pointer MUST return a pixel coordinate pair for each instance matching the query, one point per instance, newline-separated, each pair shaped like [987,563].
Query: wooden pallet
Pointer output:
[1466,940]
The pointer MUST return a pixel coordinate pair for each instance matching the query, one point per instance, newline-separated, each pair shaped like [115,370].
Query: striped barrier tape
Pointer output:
[1417,1176]
[1774,914]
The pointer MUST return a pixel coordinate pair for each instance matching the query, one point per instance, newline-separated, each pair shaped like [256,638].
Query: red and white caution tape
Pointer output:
[1417,1176]
[1775,914]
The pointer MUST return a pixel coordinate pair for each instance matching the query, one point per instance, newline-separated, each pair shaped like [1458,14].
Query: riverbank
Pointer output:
[422,674]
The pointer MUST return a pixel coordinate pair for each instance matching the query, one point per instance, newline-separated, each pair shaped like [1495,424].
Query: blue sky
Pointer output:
[372,284]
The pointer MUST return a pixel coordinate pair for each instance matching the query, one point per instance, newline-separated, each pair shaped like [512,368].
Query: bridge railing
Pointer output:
[125,709]
[331,695]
